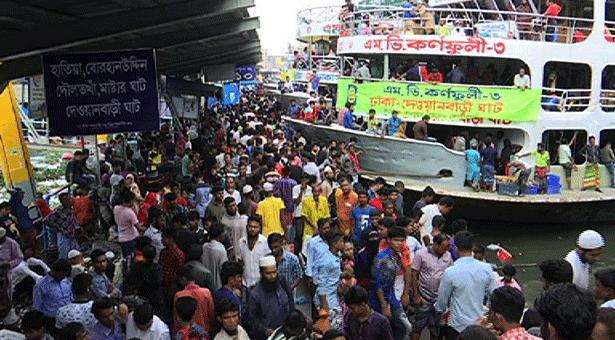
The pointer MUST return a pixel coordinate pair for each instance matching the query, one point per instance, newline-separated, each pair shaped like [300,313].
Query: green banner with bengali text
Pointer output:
[440,102]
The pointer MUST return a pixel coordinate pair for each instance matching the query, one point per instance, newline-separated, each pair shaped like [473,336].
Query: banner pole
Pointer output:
[98,175]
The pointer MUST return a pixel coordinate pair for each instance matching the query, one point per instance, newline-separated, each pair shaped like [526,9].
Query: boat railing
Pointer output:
[321,14]
[326,63]
[419,82]
[565,100]
[467,22]
[607,100]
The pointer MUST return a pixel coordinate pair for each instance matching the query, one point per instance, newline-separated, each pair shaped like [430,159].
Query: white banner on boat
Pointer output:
[498,29]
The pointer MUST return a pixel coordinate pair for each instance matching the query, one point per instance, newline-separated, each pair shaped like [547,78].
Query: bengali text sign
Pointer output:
[441,102]
[94,93]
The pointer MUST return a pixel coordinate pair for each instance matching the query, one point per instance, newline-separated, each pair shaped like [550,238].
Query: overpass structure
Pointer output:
[192,39]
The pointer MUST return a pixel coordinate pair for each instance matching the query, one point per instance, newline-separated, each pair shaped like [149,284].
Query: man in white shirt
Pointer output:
[143,324]
[311,168]
[522,80]
[251,248]
[564,158]
[234,224]
[444,206]
[157,221]
[214,254]
[300,192]
[590,247]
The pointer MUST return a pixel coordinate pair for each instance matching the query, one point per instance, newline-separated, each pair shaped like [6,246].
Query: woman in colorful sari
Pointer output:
[591,151]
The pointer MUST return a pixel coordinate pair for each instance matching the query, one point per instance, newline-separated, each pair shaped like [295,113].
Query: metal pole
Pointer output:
[97,169]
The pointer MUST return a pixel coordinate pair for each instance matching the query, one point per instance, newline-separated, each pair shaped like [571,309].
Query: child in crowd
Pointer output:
[33,325]
[508,279]
[438,223]
[185,307]
[348,261]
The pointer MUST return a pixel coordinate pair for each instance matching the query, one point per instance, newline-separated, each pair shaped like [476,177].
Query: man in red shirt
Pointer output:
[205,315]
[553,10]
[435,76]
[171,257]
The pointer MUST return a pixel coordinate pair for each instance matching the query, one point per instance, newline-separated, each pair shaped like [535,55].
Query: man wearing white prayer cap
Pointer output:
[590,247]
[270,301]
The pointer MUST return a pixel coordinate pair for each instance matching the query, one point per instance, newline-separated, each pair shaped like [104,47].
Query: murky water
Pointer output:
[530,244]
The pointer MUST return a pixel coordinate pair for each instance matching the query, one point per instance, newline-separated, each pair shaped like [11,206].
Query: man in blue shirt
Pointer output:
[53,291]
[108,327]
[317,246]
[394,123]
[387,266]
[294,109]
[410,9]
[27,232]
[349,119]
[327,276]
[463,288]
[361,214]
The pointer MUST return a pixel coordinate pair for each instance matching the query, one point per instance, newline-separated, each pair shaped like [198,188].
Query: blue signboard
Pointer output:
[232,95]
[248,85]
[212,101]
[245,73]
[96,93]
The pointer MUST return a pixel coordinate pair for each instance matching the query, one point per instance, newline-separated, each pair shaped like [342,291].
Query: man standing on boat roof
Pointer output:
[590,247]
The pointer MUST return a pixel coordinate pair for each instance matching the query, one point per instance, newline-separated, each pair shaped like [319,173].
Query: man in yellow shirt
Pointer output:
[315,207]
[271,209]
[543,166]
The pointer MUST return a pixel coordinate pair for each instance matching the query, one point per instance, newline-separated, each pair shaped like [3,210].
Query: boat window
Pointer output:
[607,95]
[576,139]
[607,135]
[375,64]
[566,87]
[609,30]
[456,70]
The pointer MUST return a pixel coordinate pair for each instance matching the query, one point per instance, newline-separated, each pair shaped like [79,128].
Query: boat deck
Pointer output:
[567,196]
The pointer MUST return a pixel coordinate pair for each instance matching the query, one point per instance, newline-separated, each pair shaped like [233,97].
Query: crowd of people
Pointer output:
[228,227]
[416,17]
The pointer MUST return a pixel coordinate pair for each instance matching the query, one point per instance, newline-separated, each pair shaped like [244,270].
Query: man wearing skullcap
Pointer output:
[270,301]
[590,247]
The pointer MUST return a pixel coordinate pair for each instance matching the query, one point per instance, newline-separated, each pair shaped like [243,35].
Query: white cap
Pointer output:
[268,187]
[247,189]
[110,255]
[590,239]
[328,169]
[2,232]
[73,253]
[267,261]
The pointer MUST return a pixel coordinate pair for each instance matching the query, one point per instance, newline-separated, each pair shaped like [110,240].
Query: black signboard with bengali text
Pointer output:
[98,93]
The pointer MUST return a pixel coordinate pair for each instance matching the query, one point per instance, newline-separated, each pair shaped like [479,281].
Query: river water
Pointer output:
[530,244]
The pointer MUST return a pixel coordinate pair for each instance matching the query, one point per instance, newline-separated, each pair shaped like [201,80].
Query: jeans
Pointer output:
[296,233]
[50,237]
[65,244]
[611,168]
[127,247]
[400,325]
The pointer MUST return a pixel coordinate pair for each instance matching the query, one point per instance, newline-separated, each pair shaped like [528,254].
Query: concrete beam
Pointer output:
[206,55]
[195,65]
[94,29]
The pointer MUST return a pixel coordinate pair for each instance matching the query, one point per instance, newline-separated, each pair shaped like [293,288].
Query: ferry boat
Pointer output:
[571,93]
